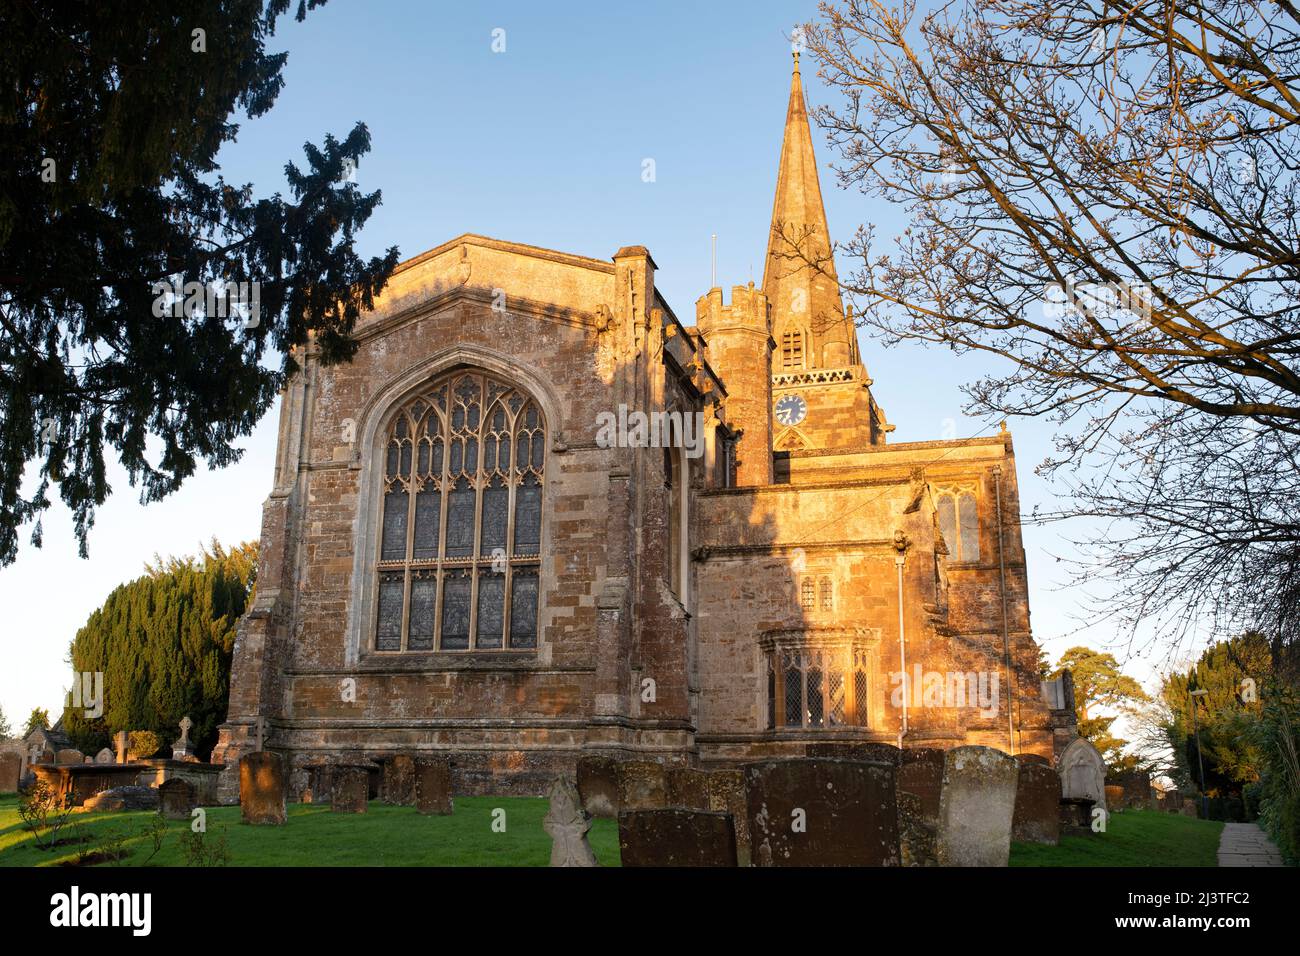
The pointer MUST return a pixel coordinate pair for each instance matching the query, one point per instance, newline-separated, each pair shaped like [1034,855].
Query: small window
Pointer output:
[792,348]
[826,594]
[675,486]
[807,594]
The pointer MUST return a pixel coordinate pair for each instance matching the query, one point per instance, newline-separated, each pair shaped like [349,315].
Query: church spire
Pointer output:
[804,302]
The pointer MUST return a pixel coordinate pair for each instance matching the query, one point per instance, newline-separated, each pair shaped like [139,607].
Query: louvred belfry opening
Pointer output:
[461,529]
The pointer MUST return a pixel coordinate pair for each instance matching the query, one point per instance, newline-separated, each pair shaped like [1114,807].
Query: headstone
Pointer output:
[676,837]
[598,785]
[399,780]
[727,793]
[123,798]
[69,756]
[262,787]
[177,799]
[1037,817]
[1115,797]
[122,744]
[182,748]
[1033,758]
[920,781]
[567,823]
[642,785]
[11,769]
[104,756]
[1083,772]
[1076,815]
[821,812]
[433,785]
[976,806]
[688,788]
[874,753]
[319,777]
[350,789]
[1135,788]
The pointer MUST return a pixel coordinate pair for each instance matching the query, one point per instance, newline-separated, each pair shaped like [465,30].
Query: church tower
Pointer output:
[820,389]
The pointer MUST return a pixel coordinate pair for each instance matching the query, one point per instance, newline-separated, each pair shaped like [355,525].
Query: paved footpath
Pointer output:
[1245,844]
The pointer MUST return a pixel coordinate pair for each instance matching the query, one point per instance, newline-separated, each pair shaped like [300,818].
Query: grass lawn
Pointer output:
[398,836]
[384,836]
[1132,838]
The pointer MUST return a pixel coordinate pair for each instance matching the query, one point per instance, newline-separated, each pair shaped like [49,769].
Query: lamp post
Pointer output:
[1205,806]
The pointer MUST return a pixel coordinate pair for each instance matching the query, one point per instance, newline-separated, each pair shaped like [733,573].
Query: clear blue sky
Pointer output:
[541,144]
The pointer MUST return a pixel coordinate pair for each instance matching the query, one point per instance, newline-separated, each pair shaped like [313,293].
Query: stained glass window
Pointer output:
[461,519]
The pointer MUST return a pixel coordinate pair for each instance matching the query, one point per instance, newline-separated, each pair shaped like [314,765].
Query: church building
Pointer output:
[542,514]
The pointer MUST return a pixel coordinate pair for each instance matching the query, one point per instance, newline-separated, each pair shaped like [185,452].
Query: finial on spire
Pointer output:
[796,61]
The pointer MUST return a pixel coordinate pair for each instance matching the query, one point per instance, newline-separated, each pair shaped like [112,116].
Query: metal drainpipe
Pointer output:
[1006,637]
[902,651]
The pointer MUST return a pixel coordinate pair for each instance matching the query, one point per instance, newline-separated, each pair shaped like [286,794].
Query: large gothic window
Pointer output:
[461,521]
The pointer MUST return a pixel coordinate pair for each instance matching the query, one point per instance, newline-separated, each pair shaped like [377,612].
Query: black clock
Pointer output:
[790,409]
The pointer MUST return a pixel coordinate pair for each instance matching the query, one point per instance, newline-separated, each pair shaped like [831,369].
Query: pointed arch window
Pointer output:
[959,523]
[461,524]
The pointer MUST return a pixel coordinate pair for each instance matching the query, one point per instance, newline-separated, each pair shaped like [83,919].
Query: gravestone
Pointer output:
[262,786]
[873,753]
[123,798]
[598,785]
[399,780]
[676,837]
[1033,758]
[642,785]
[1115,797]
[1076,815]
[68,757]
[567,823]
[1083,772]
[920,781]
[104,756]
[177,799]
[688,788]
[319,777]
[11,768]
[122,744]
[1135,790]
[727,793]
[350,789]
[433,785]
[182,748]
[976,806]
[1037,817]
[821,812]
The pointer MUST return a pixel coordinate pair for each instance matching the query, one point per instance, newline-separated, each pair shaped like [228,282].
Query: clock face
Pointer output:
[791,409]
